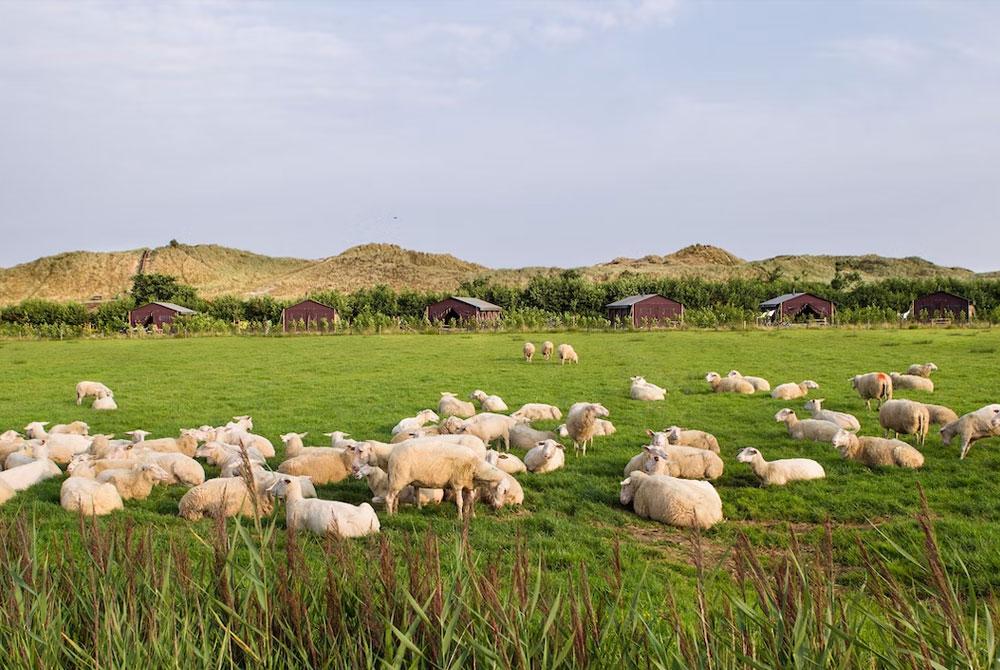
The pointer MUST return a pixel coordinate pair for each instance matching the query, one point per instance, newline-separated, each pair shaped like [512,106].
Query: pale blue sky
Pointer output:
[534,133]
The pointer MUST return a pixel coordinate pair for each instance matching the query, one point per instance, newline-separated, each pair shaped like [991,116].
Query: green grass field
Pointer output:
[365,384]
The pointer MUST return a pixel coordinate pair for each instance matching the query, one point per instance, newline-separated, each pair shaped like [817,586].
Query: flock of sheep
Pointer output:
[446,454]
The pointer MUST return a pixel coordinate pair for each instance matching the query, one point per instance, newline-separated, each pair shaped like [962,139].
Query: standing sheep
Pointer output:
[378,484]
[676,502]
[580,423]
[875,386]
[528,351]
[567,354]
[877,451]
[602,428]
[922,369]
[547,349]
[486,426]
[545,456]
[451,405]
[489,403]
[806,429]
[906,417]
[780,472]
[842,419]
[88,497]
[537,411]
[759,383]
[791,390]
[911,382]
[84,389]
[324,517]
[971,427]
[729,384]
[643,390]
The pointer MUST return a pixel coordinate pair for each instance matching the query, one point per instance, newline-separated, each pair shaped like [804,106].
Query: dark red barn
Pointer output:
[309,312]
[795,305]
[155,314]
[461,308]
[943,305]
[646,309]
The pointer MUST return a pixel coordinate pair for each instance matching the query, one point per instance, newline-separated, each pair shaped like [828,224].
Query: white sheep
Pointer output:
[782,471]
[220,453]
[580,423]
[451,405]
[547,349]
[182,469]
[486,426]
[186,444]
[698,439]
[414,422]
[135,483]
[294,447]
[685,462]
[84,389]
[791,390]
[721,384]
[602,428]
[489,403]
[378,484]
[676,502]
[509,463]
[759,383]
[842,419]
[339,439]
[940,415]
[321,468]
[640,389]
[537,411]
[265,479]
[91,498]
[875,386]
[226,496]
[138,435]
[922,369]
[905,417]
[507,491]
[25,476]
[6,492]
[806,429]
[911,382]
[323,517]
[104,403]
[73,428]
[566,354]
[971,427]
[424,431]
[545,456]
[876,451]
[528,351]
[523,436]
[64,446]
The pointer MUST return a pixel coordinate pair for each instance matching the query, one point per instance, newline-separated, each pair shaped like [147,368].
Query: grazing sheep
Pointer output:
[321,468]
[759,383]
[509,463]
[806,429]
[507,491]
[136,483]
[489,403]
[546,456]
[906,417]
[414,422]
[487,427]
[451,405]
[971,427]
[547,349]
[528,351]
[538,411]
[566,353]
[323,517]
[729,384]
[602,428]
[643,390]
[780,472]
[842,419]
[875,386]
[876,451]
[684,462]
[84,389]
[676,502]
[25,476]
[940,415]
[580,423]
[227,496]
[378,483]
[791,391]
[104,403]
[922,369]
[523,436]
[698,439]
[911,382]
[186,444]
[89,497]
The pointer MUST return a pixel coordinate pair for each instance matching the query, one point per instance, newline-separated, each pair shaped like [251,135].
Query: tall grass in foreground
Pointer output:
[251,599]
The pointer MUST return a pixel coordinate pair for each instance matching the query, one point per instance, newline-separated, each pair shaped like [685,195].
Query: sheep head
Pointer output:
[712,377]
[629,486]
[814,405]
[784,414]
[735,374]
[747,455]
[660,463]
[657,438]
[810,384]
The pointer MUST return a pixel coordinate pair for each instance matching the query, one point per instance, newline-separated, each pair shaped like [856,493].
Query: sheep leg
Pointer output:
[390,502]
[79,399]
[470,504]
[966,445]
[459,502]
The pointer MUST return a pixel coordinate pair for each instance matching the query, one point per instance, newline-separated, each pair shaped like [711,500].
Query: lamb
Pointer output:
[439,465]
[487,427]
[328,468]
[676,502]
[567,353]
[523,436]
[911,382]
[451,405]
[104,403]
[538,411]
[339,439]
[647,391]
[243,423]
[528,351]
[906,417]
[546,456]
[806,429]
[226,496]
[64,446]
[780,472]
[36,430]
[580,423]
[922,369]
[89,497]
[875,386]
[971,427]
[940,415]
[791,391]
[842,419]
[489,403]
[138,435]
[877,451]
[25,476]
[414,422]
[729,384]
[684,462]
[425,431]
[698,439]
[509,463]
[136,483]
[186,444]
[759,383]
[74,428]
[547,348]
[84,389]
[378,483]
[324,517]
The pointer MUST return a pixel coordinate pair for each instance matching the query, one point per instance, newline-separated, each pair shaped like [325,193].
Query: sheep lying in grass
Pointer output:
[729,384]
[806,429]
[487,427]
[684,462]
[221,453]
[911,382]
[537,411]
[104,403]
[265,479]
[323,517]
[489,403]
[780,472]
[72,428]
[227,496]
[875,386]
[251,440]
[546,456]
[523,436]
[451,405]
[791,390]
[969,428]
[567,354]
[84,389]
[338,439]
[294,447]
[759,383]
[922,369]
[186,444]
[321,468]
[414,422]
[423,431]
[676,502]
[25,476]
[135,483]
[81,495]
[378,484]
[638,462]
[940,415]
[647,391]
[842,419]
[509,463]
[64,446]
[905,417]
[138,435]
[581,423]
[877,451]
[547,349]
[698,439]
[528,351]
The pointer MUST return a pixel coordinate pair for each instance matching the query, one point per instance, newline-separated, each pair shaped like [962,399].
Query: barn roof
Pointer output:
[173,307]
[315,302]
[631,300]
[481,305]
[948,293]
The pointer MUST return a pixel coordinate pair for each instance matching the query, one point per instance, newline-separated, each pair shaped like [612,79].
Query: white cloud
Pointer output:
[882,51]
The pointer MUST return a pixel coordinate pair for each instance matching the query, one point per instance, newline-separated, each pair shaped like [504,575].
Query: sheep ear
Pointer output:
[303,434]
[649,432]
[625,481]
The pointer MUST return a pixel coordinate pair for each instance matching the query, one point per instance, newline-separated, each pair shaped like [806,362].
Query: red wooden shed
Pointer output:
[942,304]
[309,312]
[645,309]
[461,308]
[794,305]
[155,314]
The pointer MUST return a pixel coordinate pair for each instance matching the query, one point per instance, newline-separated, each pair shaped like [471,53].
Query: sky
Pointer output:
[507,133]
